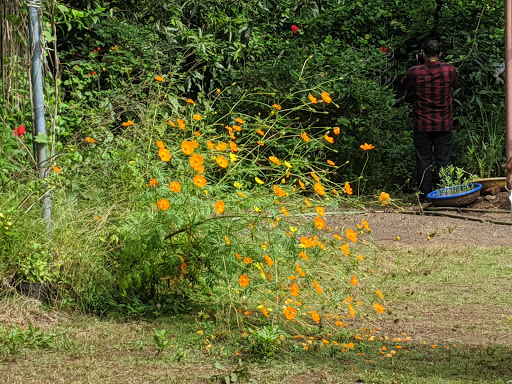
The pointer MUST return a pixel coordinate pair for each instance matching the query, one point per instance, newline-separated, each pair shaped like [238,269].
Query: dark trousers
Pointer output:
[441,143]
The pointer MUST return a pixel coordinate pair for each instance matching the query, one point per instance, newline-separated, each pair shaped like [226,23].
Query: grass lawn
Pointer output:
[449,320]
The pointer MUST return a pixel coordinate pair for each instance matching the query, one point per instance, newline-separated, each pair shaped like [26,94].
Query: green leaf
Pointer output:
[42,138]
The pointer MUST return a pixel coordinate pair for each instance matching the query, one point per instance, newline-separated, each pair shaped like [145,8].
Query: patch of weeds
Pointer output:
[14,341]
[161,340]
[240,374]
[265,342]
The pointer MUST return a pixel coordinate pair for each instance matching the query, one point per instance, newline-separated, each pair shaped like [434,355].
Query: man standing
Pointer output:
[432,84]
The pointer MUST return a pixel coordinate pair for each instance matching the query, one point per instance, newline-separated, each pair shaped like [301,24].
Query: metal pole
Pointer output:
[508,76]
[38,99]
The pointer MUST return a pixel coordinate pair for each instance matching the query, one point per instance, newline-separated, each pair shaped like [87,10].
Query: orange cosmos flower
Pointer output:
[240,194]
[307,203]
[380,294]
[384,198]
[336,130]
[307,242]
[164,154]
[274,160]
[312,98]
[320,211]
[299,270]
[175,187]
[243,280]
[329,139]
[290,313]
[220,206]
[314,176]
[237,128]
[197,133]
[187,147]
[351,310]
[247,260]
[238,256]
[285,212]
[366,146]
[210,145]
[315,316]
[194,143]
[264,311]
[221,146]
[181,124]
[365,225]
[153,182]
[159,78]
[90,140]
[261,143]
[163,204]
[351,235]
[294,289]
[160,144]
[277,106]
[199,180]
[197,117]
[278,191]
[304,255]
[196,161]
[320,189]
[348,188]
[354,280]
[222,161]
[171,123]
[330,162]
[260,132]
[319,222]
[346,249]
[227,240]
[233,146]
[239,121]
[305,136]
[317,287]
[269,261]
[302,185]
[190,101]
[379,308]
[326,97]
[128,123]
[58,170]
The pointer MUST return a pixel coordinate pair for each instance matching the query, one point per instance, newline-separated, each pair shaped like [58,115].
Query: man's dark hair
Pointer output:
[432,48]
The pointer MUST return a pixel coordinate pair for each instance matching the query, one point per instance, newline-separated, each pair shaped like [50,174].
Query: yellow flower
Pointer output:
[197,117]
[288,164]
[232,156]
[312,98]
[326,97]
[218,91]
[259,181]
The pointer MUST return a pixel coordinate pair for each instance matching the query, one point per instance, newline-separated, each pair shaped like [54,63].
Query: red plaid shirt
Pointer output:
[432,84]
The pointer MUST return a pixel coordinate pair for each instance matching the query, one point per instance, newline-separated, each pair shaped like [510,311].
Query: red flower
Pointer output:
[295,29]
[19,131]
[384,49]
